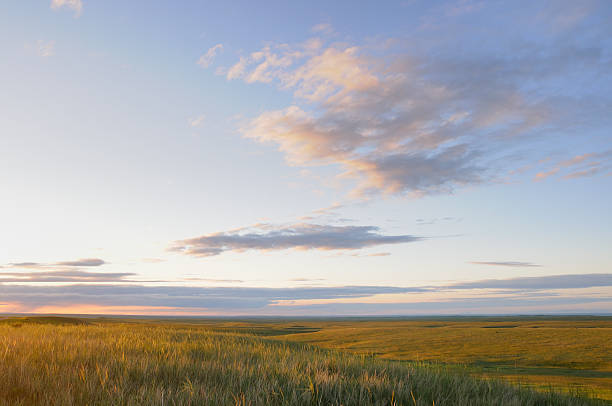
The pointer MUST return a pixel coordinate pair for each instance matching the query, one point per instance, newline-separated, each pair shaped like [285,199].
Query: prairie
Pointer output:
[567,353]
[564,353]
[239,362]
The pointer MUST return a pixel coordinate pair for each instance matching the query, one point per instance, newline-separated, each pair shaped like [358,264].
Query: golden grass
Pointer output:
[188,363]
[568,353]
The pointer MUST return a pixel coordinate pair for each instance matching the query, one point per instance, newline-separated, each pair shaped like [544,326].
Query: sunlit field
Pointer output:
[568,353]
[66,361]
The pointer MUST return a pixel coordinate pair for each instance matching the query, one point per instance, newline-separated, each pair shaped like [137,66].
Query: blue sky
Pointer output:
[306,158]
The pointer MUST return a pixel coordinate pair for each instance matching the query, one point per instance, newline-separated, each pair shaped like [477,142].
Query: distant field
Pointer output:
[567,353]
[65,361]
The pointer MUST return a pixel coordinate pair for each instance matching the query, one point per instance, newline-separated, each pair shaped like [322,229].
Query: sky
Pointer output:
[306,158]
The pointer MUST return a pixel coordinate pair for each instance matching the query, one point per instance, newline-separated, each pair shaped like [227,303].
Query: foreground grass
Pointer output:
[178,364]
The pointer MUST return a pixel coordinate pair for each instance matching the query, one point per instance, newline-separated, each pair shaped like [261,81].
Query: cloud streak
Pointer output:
[207,59]
[197,121]
[540,282]
[83,262]
[303,236]
[513,264]
[46,49]
[579,166]
[76,5]
[75,276]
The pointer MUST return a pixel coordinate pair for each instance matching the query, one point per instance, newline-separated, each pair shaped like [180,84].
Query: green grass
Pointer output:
[193,363]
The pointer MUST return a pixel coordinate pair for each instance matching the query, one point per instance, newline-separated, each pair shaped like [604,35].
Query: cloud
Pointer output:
[540,282]
[269,66]
[490,306]
[226,299]
[583,173]
[46,49]
[74,276]
[567,16]
[153,260]
[237,70]
[328,209]
[323,28]
[207,59]
[543,175]
[27,265]
[583,165]
[76,5]
[329,213]
[198,121]
[518,296]
[431,221]
[83,262]
[267,237]
[193,278]
[463,7]
[514,264]
[409,123]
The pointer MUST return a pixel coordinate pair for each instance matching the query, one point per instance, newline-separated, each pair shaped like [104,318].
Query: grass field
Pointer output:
[66,361]
[567,353]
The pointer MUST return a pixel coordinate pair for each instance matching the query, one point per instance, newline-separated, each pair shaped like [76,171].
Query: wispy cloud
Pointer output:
[514,264]
[83,262]
[545,174]
[197,121]
[207,59]
[76,5]
[46,48]
[540,282]
[212,280]
[431,221]
[332,209]
[583,165]
[323,28]
[75,276]
[268,237]
[153,260]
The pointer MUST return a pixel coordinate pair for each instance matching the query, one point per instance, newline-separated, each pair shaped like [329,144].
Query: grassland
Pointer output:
[145,362]
[139,362]
[571,354]
[567,353]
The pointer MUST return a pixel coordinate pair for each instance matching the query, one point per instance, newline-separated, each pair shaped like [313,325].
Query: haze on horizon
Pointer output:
[310,158]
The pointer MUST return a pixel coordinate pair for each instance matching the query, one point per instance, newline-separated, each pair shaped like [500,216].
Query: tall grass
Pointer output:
[135,364]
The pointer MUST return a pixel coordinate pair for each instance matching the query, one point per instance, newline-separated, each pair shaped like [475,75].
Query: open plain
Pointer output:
[70,360]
